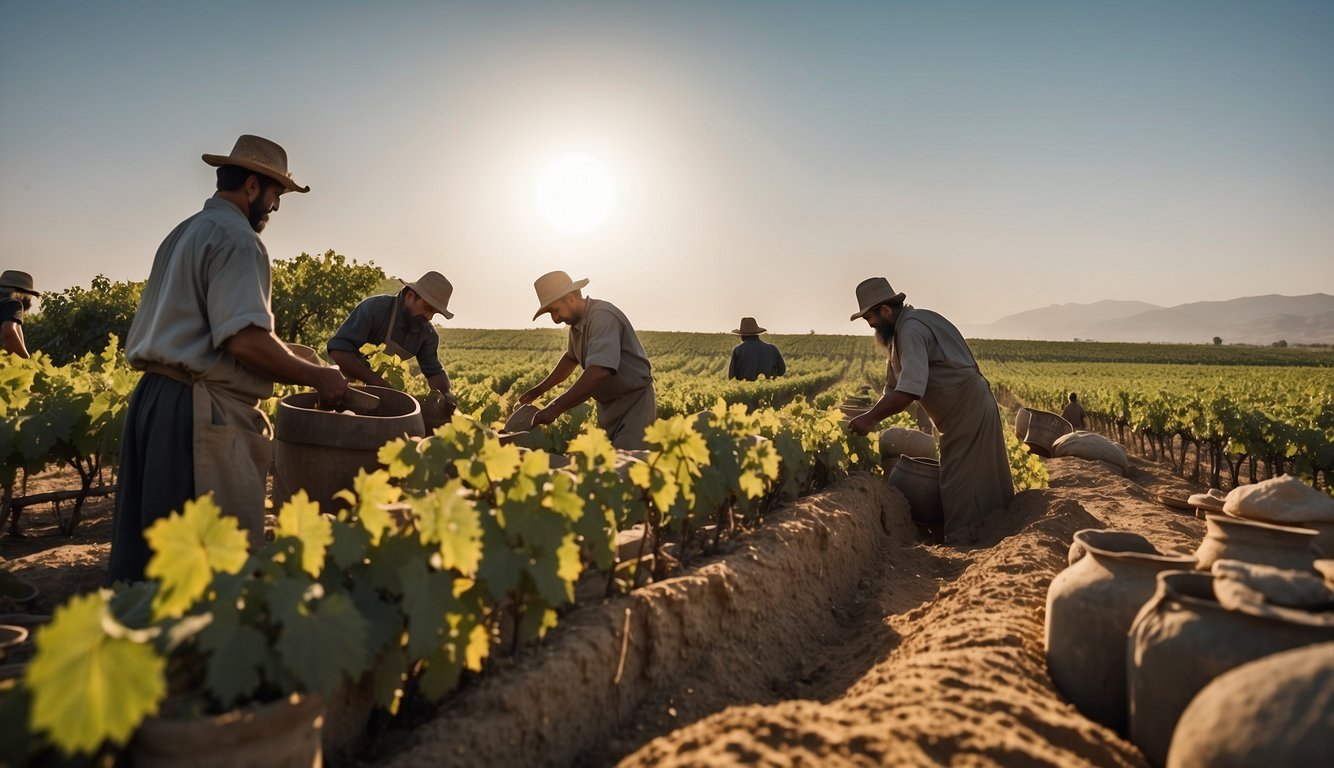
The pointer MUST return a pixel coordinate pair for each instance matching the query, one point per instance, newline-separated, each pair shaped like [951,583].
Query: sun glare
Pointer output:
[575,194]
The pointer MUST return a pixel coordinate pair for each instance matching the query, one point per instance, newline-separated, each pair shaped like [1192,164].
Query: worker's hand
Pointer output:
[530,396]
[331,385]
[451,403]
[862,424]
[545,416]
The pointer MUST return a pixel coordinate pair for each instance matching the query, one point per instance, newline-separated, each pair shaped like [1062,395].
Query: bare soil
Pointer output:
[830,637]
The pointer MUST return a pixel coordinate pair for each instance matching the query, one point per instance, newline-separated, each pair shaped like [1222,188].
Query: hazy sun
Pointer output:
[575,193]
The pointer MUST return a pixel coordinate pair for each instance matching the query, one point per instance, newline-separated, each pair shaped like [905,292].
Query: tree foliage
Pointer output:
[78,320]
[312,295]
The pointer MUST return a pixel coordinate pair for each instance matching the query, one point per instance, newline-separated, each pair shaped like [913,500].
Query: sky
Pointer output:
[751,158]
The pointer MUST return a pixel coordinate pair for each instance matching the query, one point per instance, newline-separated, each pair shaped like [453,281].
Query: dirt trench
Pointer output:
[831,637]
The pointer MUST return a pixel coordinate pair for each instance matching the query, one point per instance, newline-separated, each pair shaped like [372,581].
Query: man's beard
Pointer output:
[884,332]
[257,218]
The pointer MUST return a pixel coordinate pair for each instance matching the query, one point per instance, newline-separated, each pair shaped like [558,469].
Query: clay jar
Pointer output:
[283,734]
[1275,711]
[1043,429]
[900,441]
[1231,538]
[1090,607]
[1182,639]
[919,481]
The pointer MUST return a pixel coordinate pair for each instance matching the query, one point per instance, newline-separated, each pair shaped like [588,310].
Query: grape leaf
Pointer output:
[88,687]
[188,548]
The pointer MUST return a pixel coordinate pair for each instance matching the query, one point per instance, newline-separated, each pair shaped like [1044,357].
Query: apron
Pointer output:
[974,467]
[392,347]
[232,439]
[625,418]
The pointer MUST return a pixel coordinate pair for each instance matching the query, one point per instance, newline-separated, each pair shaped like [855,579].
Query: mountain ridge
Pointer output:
[1264,319]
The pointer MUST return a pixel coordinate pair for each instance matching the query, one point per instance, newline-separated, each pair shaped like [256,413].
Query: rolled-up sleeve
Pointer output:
[355,331]
[912,342]
[604,341]
[238,292]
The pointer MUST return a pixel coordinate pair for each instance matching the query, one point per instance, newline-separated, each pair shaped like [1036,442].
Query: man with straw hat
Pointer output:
[402,323]
[203,335]
[616,370]
[753,358]
[930,363]
[16,295]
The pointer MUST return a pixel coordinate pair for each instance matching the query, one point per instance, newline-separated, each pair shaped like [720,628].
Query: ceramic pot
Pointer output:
[1278,710]
[1043,429]
[1090,607]
[919,481]
[1183,638]
[1231,538]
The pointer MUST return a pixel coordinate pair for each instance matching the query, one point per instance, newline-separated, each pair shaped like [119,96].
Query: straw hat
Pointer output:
[749,327]
[18,281]
[435,289]
[261,156]
[872,292]
[552,286]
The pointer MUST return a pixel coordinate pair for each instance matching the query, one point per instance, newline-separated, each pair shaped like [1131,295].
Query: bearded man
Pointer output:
[203,335]
[930,363]
[616,369]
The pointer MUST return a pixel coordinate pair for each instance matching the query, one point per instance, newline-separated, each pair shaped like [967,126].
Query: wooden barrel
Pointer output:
[919,481]
[321,451]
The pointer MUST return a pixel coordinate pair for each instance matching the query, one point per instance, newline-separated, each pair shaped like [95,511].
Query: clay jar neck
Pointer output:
[1123,549]
[1253,533]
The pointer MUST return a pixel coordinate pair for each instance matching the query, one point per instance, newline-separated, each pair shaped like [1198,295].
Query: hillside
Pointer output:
[1267,319]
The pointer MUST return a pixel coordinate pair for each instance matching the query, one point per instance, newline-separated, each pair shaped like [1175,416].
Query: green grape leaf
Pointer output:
[449,520]
[87,687]
[300,518]
[350,544]
[428,599]
[370,494]
[188,548]
[441,674]
[562,497]
[236,654]
[398,456]
[323,641]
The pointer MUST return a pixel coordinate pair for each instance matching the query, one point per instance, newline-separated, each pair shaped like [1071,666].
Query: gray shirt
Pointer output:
[210,279]
[605,337]
[369,323]
[927,350]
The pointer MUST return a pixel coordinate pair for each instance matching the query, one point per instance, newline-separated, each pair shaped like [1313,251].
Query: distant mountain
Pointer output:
[1250,320]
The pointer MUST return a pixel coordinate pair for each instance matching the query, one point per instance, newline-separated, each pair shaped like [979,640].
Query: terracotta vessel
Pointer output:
[1090,607]
[1183,638]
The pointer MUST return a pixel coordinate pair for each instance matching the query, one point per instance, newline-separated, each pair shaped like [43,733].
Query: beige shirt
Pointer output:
[210,279]
[927,349]
[604,337]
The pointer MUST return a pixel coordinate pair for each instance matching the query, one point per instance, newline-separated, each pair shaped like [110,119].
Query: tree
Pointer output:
[76,321]
[1281,343]
[312,295]
[1218,341]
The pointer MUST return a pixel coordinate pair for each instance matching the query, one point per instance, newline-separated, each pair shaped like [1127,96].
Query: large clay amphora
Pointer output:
[1275,711]
[1251,541]
[1043,429]
[919,481]
[321,451]
[1090,607]
[1183,639]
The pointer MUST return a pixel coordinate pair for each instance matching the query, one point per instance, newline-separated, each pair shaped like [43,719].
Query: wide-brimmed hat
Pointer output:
[749,327]
[18,281]
[552,286]
[258,154]
[872,292]
[435,289]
